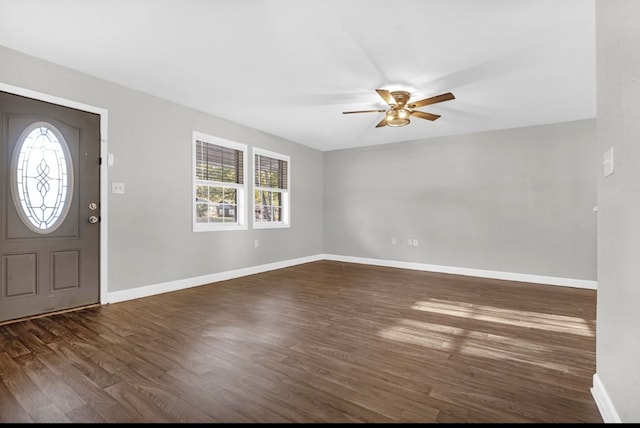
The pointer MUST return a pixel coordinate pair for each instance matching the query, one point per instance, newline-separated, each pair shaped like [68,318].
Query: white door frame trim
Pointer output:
[103,167]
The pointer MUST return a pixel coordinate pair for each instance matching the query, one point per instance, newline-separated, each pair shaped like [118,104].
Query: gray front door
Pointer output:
[50,207]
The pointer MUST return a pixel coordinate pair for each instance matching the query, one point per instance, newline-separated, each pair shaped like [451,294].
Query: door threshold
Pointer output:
[46,314]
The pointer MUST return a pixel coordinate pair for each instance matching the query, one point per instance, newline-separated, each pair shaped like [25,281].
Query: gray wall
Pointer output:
[618,315]
[150,237]
[518,200]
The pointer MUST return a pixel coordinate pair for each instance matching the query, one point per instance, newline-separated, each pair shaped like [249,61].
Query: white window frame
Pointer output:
[285,214]
[241,189]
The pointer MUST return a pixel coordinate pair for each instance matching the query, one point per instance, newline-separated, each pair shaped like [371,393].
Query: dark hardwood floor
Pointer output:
[319,342]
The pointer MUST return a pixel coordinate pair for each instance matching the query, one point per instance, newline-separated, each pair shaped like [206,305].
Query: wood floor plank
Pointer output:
[130,398]
[31,398]
[316,395]
[85,414]
[11,344]
[225,405]
[100,401]
[31,342]
[318,342]
[58,392]
[89,368]
[11,410]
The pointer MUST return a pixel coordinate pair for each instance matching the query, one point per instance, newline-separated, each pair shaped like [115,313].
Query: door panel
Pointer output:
[48,265]
[20,275]
[65,269]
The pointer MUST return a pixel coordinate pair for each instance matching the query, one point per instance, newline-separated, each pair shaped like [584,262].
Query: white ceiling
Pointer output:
[291,67]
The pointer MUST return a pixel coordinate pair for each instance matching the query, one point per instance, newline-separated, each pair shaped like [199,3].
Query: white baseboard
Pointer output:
[165,287]
[509,276]
[605,406]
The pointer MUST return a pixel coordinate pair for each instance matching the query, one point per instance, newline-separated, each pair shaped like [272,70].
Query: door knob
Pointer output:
[93,219]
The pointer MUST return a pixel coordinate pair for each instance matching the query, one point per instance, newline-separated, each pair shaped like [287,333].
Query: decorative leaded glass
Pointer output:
[42,177]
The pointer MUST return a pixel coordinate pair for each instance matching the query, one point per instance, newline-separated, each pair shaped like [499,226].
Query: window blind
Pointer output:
[218,163]
[271,172]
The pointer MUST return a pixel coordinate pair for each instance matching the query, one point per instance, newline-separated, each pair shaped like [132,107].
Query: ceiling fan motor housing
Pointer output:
[401,97]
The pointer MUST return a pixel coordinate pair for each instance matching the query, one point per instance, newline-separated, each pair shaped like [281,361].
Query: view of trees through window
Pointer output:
[271,188]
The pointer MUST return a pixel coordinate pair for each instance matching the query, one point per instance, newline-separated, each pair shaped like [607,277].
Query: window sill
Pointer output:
[216,228]
[273,225]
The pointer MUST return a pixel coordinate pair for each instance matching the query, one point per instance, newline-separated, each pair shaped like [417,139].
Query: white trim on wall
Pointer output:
[103,167]
[603,401]
[481,273]
[165,287]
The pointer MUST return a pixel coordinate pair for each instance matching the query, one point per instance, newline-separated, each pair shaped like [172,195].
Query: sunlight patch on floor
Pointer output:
[457,340]
[520,318]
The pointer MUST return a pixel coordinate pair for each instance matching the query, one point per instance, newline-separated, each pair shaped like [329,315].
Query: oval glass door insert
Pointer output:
[42,177]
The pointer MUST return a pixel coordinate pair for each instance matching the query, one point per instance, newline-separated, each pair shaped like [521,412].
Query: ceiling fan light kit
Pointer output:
[401,110]
[397,117]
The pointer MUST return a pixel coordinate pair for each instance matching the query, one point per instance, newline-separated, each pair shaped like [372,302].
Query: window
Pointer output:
[42,177]
[271,189]
[218,184]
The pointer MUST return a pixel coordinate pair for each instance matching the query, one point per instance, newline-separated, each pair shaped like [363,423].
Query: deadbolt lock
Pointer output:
[93,206]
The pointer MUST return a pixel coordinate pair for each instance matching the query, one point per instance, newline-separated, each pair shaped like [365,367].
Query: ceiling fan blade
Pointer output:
[363,111]
[423,115]
[432,100]
[382,123]
[387,97]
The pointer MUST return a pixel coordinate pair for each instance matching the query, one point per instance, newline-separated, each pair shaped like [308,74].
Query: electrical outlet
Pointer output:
[117,188]
[410,242]
[256,243]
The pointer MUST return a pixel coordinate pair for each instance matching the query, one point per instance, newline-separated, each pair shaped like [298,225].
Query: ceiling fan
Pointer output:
[401,109]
